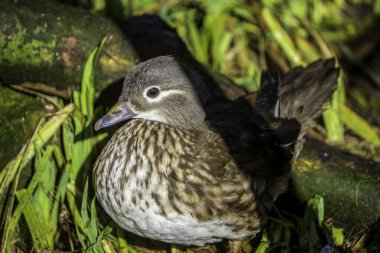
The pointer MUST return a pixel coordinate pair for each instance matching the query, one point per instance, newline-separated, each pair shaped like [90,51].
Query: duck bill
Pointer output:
[119,112]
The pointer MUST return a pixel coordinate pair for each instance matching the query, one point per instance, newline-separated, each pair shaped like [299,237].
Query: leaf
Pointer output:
[24,200]
[60,195]
[40,137]
[67,141]
[199,47]
[124,247]
[71,194]
[108,248]
[338,236]
[316,204]
[312,222]
[58,156]
[359,125]
[36,228]
[264,243]
[281,37]
[87,87]
[332,116]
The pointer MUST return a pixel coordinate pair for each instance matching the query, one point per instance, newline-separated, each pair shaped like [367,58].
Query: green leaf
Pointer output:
[359,125]
[41,135]
[87,87]
[332,115]
[108,247]
[60,195]
[338,236]
[42,198]
[312,222]
[71,194]
[24,200]
[58,156]
[299,8]
[36,228]
[199,47]
[67,141]
[281,37]
[264,243]
[317,206]
[124,247]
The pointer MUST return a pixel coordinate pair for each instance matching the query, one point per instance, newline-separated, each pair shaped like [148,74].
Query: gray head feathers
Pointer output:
[179,98]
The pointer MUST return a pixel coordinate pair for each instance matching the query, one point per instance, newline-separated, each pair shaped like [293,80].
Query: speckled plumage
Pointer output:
[172,192]
[168,174]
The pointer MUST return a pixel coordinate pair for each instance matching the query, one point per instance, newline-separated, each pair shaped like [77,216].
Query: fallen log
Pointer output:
[349,184]
[47,43]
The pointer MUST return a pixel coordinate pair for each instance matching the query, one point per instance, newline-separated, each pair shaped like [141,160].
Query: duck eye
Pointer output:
[117,112]
[153,92]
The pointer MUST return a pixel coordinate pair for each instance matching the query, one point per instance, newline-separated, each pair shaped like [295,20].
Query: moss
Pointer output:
[349,184]
[19,115]
[49,43]
[16,47]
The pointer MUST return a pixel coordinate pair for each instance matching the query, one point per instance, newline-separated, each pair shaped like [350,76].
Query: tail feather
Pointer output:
[286,107]
[268,99]
[299,96]
[304,90]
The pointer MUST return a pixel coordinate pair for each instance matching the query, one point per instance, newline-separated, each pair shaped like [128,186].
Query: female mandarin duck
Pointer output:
[173,174]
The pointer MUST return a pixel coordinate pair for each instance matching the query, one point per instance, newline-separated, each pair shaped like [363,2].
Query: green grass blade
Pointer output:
[67,141]
[281,37]
[71,194]
[41,136]
[108,247]
[58,157]
[124,247]
[316,204]
[264,243]
[199,46]
[59,196]
[87,87]
[36,228]
[42,198]
[338,236]
[93,220]
[85,216]
[313,217]
[332,115]
[359,125]
[28,194]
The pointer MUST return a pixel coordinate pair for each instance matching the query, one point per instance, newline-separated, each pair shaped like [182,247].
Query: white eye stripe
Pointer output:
[161,95]
[151,115]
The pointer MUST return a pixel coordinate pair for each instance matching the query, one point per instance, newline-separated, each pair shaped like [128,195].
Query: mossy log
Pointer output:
[19,116]
[349,184]
[44,42]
